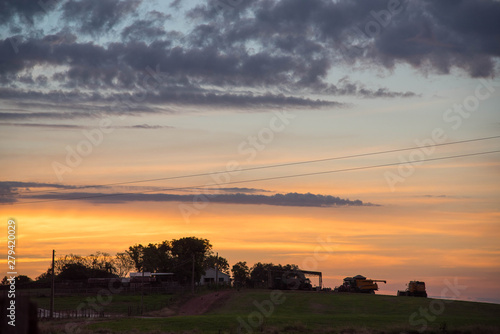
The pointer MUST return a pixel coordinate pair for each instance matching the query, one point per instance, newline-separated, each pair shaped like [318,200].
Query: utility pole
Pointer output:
[217,271]
[192,277]
[52,290]
[142,291]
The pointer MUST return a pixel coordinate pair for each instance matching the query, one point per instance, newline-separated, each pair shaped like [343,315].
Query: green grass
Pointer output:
[304,312]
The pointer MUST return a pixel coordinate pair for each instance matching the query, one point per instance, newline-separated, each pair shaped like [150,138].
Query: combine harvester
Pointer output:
[358,284]
[414,289]
[293,279]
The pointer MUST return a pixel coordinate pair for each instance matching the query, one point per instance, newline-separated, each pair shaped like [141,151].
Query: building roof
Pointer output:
[211,271]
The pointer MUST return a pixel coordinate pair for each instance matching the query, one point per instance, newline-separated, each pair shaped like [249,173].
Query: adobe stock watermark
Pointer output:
[227,4]
[103,298]
[322,251]
[264,309]
[371,29]
[15,41]
[248,150]
[424,316]
[93,138]
[454,118]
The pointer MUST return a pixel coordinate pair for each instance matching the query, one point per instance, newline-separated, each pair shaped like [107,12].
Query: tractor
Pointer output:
[414,289]
[358,284]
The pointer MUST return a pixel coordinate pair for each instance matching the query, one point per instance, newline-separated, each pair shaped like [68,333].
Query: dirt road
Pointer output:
[202,304]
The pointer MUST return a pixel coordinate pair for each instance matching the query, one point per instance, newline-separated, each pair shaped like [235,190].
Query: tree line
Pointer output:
[169,256]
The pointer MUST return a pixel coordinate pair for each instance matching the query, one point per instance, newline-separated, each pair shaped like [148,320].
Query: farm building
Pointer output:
[211,275]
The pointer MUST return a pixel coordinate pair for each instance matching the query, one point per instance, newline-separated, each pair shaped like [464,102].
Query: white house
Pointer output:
[209,277]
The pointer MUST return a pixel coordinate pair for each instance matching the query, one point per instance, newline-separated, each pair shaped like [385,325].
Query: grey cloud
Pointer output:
[18,184]
[239,100]
[146,29]
[26,9]
[32,51]
[44,125]
[438,36]
[346,87]
[9,190]
[430,35]
[289,199]
[444,196]
[147,126]
[8,194]
[75,104]
[232,190]
[98,16]
[175,4]
[10,116]
[435,196]
[73,126]
[242,190]
[130,66]
[267,47]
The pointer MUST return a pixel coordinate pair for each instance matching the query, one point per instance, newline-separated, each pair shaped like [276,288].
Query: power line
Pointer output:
[261,179]
[267,166]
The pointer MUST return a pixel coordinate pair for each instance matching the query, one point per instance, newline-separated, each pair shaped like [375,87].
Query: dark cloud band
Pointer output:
[13,191]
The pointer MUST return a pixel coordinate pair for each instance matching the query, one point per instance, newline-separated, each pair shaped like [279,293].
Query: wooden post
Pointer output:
[217,271]
[192,277]
[142,291]
[52,290]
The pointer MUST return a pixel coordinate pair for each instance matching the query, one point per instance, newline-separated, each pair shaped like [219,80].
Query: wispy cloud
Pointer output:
[443,196]
[75,126]
[243,190]
[11,193]
[42,125]
[147,126]
[10,190]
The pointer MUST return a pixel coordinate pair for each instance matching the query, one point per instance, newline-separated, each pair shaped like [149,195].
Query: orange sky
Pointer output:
[424,238]
[273,89]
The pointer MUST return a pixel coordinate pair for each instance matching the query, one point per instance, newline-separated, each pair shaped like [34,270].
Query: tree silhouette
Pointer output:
[185,250]
[241,273]
[212,260]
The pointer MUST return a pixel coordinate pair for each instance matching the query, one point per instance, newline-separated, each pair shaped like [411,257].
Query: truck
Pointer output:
[414,289]
[358,284]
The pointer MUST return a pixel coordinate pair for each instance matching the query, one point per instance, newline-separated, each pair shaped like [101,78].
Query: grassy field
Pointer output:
[304,312]
[119,304]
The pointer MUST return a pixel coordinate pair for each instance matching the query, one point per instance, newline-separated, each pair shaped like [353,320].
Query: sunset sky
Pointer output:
[284,131]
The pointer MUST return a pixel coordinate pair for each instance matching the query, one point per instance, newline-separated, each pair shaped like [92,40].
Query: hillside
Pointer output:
[308,312]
